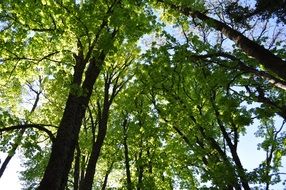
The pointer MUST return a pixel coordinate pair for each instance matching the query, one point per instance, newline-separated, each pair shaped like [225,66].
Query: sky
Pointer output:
[10,180]
[251,157]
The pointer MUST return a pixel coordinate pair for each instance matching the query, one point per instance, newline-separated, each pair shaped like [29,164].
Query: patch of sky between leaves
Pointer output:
[148,40]
[248,147]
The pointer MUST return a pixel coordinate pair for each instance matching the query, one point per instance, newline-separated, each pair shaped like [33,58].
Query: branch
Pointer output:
[270,61]
[38,60]
[40,127]
[242,66]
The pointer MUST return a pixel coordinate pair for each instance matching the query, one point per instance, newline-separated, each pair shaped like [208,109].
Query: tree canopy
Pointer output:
[123,94]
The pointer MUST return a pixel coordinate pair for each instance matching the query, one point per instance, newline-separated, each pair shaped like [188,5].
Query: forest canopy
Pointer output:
[143,94]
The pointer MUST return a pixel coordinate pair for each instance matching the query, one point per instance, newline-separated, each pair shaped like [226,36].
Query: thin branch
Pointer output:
[38,60]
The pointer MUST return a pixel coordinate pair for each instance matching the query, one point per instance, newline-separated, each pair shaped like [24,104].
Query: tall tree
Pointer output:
[141,94]
[270,61]
[89,33]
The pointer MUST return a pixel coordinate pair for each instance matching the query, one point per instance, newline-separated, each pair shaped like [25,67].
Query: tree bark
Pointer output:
[56,173]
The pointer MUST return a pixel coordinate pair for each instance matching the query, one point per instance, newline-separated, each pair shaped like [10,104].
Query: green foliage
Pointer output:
[186,100]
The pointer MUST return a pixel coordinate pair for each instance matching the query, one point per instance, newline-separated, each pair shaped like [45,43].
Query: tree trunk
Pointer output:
[140,168]
[270,61]
[56,173]
[126,156]
[76,168]
[20,136]
[12,152]
[91,166]
[232,147]
[106,176]
[96,147]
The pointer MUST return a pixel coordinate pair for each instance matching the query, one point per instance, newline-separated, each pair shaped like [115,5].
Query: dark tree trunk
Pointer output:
[270,61]
[56,173]
[97,145]
[12,152]
[76,168]
[106,176]
[126,155]
[17,142]
[240,169]
[140,168]
[232,147]
[91,166]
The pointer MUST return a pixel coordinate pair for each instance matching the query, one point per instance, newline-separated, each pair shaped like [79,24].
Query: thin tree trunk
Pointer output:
[76,168]
[140,168]
[212,143]
[12,152]
[240,169]
[126,155]
[20,135]
[106,176]
[96,147]
[91,166]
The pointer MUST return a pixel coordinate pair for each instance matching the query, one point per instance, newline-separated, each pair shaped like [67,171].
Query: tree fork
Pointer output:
[56,173]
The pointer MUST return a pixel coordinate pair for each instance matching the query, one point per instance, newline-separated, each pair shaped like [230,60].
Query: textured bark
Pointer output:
[270,61]
[56,173]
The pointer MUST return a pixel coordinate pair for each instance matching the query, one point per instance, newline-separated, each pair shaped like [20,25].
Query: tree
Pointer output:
[270,61]
[164,114]
[264,9]
[94,41]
